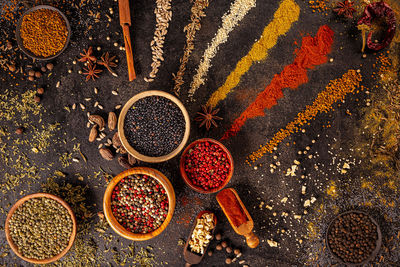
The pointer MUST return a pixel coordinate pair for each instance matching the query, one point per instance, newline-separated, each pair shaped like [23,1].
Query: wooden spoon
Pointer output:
[244,229]
[192,257]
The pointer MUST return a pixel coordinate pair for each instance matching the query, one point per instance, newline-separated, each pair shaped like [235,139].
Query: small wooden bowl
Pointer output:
[186,178]
[193,257]
[113,221]
[19,203]
[121,122]
[378,241]
[19,39]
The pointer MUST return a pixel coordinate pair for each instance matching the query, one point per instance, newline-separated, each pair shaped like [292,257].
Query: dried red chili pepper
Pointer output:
[374,11]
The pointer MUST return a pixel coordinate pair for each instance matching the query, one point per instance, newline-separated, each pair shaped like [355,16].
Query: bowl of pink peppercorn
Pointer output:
[206,166]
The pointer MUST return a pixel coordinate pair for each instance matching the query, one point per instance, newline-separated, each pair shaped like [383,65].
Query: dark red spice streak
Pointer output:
[139,203]
[207,165]
[232,208]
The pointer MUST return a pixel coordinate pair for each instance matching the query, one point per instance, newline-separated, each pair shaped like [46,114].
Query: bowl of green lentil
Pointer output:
[154,126]
[43,32]
[40,228]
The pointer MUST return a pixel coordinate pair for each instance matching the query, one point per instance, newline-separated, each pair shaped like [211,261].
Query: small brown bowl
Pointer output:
[118,228]
[19,39]
[378,241]
[121,122]
[186,178]
[19,203]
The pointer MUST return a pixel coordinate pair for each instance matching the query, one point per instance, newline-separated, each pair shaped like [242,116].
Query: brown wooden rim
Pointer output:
[378,241]
[19,39]
[19,203]
[186,178]
[119,229]
[121,121]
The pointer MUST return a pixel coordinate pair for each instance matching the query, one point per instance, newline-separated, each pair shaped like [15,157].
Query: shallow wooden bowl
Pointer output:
[186,178]
[371,256]
[113,221]
[125,142]
[19,39]
[19,203]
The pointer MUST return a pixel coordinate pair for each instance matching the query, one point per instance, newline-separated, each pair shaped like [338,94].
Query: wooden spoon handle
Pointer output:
[252,240]
[129,54]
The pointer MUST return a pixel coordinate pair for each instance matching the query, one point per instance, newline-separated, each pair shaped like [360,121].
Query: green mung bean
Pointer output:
[40,228]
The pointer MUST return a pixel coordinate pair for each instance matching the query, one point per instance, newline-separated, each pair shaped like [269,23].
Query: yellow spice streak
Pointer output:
[287,13]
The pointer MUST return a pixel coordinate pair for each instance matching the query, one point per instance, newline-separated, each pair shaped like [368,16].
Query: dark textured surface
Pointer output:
[252,185]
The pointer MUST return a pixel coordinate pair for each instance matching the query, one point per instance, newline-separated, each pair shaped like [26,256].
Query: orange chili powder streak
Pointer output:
[313,52]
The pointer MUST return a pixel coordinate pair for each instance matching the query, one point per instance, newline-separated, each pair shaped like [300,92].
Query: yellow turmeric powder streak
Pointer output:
[334,92]
[287,13]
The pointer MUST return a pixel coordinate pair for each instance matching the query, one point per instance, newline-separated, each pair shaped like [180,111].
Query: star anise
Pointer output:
[87,55]
[208,117]
[345,8]
[108,62]
[91,71]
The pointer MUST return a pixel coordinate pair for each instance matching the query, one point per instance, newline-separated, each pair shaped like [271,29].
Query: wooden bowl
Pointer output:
[113,221]
[19,39]
[373,254]
[15,248]
[125,142]
[186,178]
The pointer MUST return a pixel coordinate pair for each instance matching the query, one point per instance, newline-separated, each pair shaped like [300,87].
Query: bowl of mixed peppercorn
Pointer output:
[40,228]
[154,126]
[206,166]
[139,203]
[43,32]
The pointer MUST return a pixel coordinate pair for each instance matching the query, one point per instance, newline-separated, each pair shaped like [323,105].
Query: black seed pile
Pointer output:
[353,237]
[154,126]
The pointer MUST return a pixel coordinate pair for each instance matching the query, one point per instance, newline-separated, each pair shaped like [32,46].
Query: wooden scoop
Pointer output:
[245,228]
[192,257]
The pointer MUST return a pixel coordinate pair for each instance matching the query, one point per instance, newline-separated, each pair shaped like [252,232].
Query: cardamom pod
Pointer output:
[116,141]
[93,134]
[98,120]
[106,153]
[112,121]
[124,162]
[132,160]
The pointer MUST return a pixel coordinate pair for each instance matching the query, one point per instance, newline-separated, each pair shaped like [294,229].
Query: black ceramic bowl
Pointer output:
[378,241]
[19,39]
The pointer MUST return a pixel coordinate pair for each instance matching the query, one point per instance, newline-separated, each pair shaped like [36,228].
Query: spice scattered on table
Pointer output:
[287,14]
[139,203]
[190,29]
[202,233]
[334,92]
[345,8]
[44,32]
[208,117]
[163,14]
[154,126]
[207,165]
[313,52]
[40,228]
[237,11]
[353,237]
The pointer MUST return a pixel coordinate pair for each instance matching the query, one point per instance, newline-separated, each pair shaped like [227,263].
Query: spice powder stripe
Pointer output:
[190,29]
[230,20]
[334,92]
[287,13]
[313,52]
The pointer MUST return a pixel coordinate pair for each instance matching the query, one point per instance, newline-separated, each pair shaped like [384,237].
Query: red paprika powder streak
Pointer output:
[313,52]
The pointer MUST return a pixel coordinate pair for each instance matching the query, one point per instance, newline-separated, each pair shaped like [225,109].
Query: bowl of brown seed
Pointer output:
[43,32]
[154,126]
[40,228]
[139,203]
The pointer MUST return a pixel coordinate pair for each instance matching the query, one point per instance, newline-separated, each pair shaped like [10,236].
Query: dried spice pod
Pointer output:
[372,12]
[124,162]
[93,134]
[106,154]
[116,141]
[98,120]
[132,160]
[112,121]
[122,150]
